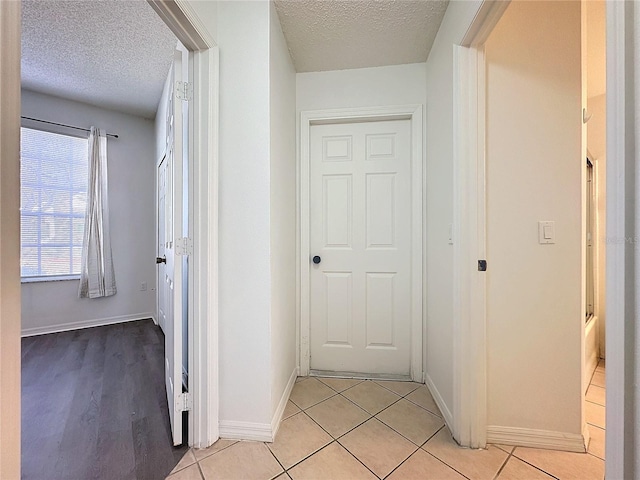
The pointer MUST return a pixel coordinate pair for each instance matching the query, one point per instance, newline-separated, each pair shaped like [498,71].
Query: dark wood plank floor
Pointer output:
[94,405]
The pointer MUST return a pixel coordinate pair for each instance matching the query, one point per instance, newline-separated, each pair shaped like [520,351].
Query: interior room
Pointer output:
[360,239]
[92,368]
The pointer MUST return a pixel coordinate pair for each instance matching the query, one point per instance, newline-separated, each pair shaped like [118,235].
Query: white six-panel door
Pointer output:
[170,274]
[360,227]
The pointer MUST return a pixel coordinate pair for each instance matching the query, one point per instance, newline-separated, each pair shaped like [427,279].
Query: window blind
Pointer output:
[54,175]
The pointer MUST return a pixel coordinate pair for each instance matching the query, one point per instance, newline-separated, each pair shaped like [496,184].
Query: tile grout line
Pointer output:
[334,439]
[442,461]
[401,463]
[348,431]
[217,451]
[200,468]
[371,416]
[310,454]
[504,464]
[357,459]
[532,465]
[284,470]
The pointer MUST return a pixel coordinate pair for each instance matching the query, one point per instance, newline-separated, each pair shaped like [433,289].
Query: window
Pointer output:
[53,174]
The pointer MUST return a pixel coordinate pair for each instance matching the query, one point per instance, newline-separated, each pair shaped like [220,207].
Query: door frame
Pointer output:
[470,387]
[413,113]
[203,218]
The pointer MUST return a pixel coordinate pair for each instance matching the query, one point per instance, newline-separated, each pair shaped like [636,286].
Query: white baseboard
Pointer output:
[446,413]
[98,322]
[528,437]
[259,432]
[277,415]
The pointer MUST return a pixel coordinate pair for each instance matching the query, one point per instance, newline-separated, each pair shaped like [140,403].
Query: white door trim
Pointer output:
[616,246]
[469,230]
[203,218]
[349,115]
[469,292]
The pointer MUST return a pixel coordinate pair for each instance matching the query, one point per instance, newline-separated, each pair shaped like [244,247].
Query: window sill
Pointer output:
[59,278]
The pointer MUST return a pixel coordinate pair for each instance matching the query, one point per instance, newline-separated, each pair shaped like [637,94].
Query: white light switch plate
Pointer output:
[546,232]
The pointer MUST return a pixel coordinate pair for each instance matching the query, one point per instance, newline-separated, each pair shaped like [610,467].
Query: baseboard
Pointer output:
[98,322]
[446,413]
[528,437]
[277,416]
[259,432]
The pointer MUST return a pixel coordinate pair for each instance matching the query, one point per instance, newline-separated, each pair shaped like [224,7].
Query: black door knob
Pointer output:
[161,259]
[317,259]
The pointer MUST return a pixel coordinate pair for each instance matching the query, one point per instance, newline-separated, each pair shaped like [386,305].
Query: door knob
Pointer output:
[161,259]
[317,259]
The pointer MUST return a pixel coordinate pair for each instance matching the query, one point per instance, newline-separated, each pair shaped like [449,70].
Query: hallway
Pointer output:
[354,429]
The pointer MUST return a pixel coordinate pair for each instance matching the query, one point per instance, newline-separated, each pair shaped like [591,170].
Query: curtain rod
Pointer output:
[63,125]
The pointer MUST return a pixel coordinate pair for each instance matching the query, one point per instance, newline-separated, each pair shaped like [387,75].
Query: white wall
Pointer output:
[362,87]
[244,213]
[282,81]
[47,306]
[535,313]
[439,178]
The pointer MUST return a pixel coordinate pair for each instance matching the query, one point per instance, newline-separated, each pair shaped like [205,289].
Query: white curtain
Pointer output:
[97,278]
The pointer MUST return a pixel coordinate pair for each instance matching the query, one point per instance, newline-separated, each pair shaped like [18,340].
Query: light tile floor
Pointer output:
[353,429]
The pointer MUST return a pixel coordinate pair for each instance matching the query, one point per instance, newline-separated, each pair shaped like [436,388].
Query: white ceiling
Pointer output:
[111,53]
[341,34]
[116,53]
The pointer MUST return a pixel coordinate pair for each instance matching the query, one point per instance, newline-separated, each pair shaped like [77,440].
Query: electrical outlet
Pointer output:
[143,286]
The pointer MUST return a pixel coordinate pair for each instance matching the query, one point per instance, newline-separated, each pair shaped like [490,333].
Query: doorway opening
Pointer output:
[479,186]
[341,148]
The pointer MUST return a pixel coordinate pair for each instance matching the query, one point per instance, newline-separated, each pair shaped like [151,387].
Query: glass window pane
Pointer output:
[79,203]
[29,262]
[29,229]
[54,174]
[55,260]
[80,176]
[55,201]
[77,259]
[78,231]
[29,199]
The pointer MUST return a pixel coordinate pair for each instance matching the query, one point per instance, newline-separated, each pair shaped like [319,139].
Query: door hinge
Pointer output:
[184,91]
[184,246]
[184,402]
[482,265]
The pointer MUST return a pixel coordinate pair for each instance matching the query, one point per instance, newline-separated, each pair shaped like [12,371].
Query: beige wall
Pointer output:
[534,172]
[9,240]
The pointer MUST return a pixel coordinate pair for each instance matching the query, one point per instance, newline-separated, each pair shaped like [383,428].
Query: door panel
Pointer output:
[170,274]
[360,222]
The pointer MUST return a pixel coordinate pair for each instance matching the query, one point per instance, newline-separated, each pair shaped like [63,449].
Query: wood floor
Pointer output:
[94,405]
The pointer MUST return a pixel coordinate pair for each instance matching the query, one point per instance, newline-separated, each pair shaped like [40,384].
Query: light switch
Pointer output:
[546,232]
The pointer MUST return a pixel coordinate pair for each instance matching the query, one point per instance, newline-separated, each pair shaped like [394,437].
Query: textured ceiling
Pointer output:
[110,53]
[341,34]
